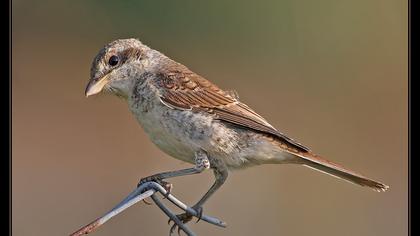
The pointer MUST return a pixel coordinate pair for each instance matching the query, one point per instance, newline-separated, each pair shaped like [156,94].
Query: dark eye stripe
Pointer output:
[127,54]
[130,53]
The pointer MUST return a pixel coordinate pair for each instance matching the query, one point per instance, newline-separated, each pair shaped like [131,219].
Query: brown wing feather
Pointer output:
[187,90]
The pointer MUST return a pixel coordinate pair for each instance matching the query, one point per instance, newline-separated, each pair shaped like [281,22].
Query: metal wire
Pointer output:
[145,190]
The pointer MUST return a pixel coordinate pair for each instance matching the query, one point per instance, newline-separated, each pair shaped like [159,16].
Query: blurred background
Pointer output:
[331,74]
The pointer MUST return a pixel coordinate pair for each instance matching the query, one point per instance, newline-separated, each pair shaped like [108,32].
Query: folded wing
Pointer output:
[187,90]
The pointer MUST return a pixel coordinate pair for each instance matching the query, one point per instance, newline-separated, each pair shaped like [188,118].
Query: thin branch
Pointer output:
[172,216]
[144,191]
[126,203]
[182,206]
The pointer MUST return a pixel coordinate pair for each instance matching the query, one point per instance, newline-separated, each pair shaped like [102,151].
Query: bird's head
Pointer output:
[116,67]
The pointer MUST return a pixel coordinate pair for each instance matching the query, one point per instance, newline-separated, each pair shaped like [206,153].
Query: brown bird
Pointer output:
[193,120]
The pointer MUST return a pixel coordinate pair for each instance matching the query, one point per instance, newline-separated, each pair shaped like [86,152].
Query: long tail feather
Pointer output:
[320,164]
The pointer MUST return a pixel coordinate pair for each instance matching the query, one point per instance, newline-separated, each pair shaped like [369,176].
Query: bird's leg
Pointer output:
[220,173]
[201,163]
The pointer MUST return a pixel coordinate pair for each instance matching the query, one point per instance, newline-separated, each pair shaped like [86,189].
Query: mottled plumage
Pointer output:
[185,114]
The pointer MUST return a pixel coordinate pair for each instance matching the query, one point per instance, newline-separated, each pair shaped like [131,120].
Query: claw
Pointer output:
[184,218]
[147,203]
[153,178]
[200,214]
[171,231]
[168,188]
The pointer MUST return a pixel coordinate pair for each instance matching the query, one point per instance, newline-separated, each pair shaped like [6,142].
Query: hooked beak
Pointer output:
[96,85]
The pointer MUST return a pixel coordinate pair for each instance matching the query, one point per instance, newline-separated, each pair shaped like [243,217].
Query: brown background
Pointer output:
[331,74]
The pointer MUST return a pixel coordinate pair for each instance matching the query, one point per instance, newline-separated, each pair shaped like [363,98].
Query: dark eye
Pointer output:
[113,60]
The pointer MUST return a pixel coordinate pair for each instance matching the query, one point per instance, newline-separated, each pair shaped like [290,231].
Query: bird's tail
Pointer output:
[320,164]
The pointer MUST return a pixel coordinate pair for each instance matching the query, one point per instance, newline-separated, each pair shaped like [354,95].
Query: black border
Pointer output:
[409,115]
[9,164]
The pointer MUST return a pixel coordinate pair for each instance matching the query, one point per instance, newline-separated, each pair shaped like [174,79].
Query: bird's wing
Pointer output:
[184,89]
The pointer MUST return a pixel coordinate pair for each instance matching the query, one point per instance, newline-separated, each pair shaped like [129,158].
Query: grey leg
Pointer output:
[220,173]
[201,163]
[220,178]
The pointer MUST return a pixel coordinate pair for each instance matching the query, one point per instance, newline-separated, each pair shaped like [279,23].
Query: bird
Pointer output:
[193,120]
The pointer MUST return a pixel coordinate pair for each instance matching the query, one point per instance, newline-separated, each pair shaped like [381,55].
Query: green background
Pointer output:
[332,74]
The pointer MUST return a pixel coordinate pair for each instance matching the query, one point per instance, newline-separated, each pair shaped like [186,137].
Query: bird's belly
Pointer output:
[181,133]
[171,144]
[166,138]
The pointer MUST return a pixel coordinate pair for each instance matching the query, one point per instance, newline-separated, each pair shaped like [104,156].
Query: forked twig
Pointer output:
[172,216]
[145,190]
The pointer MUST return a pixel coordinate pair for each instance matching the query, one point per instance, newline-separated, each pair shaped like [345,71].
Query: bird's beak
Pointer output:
[96,85]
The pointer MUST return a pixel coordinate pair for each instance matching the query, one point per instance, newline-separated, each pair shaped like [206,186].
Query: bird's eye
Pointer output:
[113,60]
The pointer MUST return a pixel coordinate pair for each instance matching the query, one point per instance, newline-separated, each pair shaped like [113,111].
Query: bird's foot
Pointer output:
[185,218]
[155,178]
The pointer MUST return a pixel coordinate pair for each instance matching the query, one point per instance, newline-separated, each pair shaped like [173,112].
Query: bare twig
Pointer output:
[172,216]
[144,191]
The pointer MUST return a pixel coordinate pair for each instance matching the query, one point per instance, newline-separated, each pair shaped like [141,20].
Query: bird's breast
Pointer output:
[180,133]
